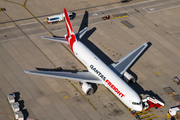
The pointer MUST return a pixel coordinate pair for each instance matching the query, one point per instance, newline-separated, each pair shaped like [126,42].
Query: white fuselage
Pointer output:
[110,79]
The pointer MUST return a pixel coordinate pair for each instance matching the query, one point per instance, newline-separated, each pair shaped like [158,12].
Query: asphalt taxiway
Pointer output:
[44,98]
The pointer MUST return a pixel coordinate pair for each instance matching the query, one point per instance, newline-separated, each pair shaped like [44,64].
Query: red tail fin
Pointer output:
[71,38]
[68,23]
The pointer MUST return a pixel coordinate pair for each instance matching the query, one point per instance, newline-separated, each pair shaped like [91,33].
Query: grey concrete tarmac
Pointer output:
[44,98]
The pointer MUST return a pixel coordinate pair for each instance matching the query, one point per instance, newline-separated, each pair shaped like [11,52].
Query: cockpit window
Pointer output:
[135,103]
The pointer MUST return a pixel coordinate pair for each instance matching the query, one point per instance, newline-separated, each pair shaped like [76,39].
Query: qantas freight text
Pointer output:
[114,88]
[98,72]
[107,81]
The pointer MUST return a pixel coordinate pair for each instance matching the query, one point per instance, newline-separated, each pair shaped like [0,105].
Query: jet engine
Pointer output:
[87,88]
[128,78]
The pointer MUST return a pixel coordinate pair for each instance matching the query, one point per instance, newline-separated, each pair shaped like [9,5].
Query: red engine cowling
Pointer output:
[87,88]
[128,78]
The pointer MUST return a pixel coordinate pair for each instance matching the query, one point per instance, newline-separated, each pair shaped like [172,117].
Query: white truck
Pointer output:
[174,112]
[59,17]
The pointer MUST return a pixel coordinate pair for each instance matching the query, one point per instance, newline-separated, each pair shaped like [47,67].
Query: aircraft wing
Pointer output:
[124,63]
[79,76]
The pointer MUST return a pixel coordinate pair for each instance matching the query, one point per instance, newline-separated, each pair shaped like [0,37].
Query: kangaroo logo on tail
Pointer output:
[71,38]
[68,23]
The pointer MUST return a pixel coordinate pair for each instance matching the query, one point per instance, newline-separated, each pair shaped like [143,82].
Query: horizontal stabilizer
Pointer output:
[57,39]
[80,34]
[79,76]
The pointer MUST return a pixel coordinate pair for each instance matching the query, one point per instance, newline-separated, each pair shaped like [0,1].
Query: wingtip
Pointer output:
[26,71]
[146,44]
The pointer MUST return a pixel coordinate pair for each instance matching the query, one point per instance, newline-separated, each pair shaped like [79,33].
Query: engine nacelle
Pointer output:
[87,88]
[128,78]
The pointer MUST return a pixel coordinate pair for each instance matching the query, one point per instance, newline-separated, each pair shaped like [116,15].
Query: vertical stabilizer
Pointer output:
[71,38]
[68,23]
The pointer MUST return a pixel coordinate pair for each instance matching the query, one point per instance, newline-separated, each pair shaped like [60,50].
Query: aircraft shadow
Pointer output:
[105,58]
[25,113]
[140,90]
[136,86]
[21,104]
[149,44]
[131,72]
[125,1]
[56,69]
[17,96]
[84,22]
[89,44]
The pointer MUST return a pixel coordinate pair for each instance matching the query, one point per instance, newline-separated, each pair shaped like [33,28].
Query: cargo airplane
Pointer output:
[115,76]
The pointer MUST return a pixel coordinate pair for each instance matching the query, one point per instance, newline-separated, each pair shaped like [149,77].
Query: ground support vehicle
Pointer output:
[150,102]
[58,18]
[174,112]
[106,17]
[176,79]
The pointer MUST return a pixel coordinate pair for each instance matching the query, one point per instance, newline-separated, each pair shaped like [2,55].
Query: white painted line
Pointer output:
[101,22]
[146,10]
[20,25]
[95,14]
[27,23]
[65,28]
[41,33]
[11,39]
[155,5]
[7,27]
[89,12]
[125,5]
[29,29]
[151,9]
[163,9]
[118,7]
[74,26]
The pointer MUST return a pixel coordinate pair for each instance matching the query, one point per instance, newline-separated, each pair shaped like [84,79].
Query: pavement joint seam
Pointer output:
[42,51]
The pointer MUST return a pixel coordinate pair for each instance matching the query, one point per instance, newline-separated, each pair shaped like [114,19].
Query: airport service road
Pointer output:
[19,30]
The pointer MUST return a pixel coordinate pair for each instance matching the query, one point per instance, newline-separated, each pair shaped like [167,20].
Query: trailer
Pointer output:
[15,107]
[18,115]
[11,98]
[58,18]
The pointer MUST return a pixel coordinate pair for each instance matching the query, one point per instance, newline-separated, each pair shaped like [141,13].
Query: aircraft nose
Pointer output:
[139,108]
